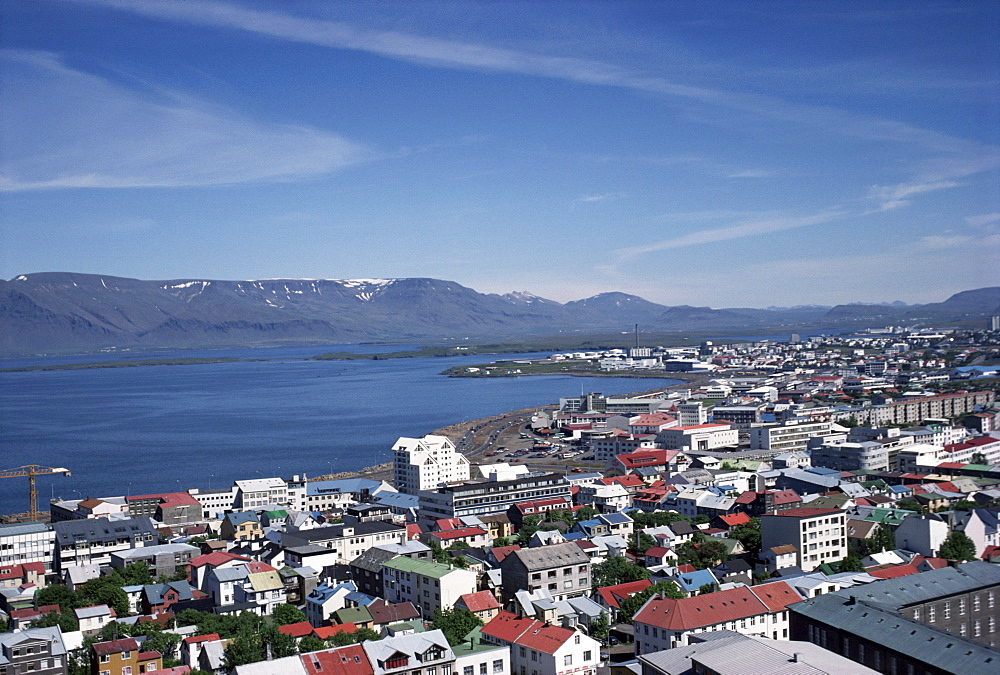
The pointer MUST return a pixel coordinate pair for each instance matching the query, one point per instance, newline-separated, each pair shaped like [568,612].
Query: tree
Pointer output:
[909,505]
[701,554]
[455,624]
[705,589]
[630,605]
[585,513]
[600,627]
[644,542]
[748,535]
[852,563]
[285,614]
[104,591]
[66,622]
[656,518]
[310,643]
[958,546]
[616,570]
[58,595]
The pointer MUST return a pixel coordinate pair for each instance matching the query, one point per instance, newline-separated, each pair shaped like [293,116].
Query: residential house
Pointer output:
[123,657]
[34,650]
[349,540]
[326,599]
[93,619]
[481,603]
[542,648]
[163,560]
[665,623]
[411,653]
[241,526]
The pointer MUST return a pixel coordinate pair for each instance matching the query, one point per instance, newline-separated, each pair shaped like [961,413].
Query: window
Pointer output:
[961,605]
[947,610]
[576,639]
[482,668]
[586,655]
[568,660]
[568,583]
[534,655]
[498,666]
[583,581]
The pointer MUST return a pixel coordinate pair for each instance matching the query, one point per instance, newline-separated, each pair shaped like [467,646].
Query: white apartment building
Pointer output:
[26,543]
[788,437]
[426,463]
[710,436]
[257,492]
[427,584]
[844,456]
[820,535]
[540,648]
[215,503]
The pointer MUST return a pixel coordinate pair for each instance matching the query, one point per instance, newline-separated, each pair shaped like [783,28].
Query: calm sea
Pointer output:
[165,428]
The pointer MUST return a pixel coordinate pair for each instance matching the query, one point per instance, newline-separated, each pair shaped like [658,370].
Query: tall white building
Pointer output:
[426,463]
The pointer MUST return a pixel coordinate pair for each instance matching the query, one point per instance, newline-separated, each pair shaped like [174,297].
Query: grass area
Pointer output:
[126,364]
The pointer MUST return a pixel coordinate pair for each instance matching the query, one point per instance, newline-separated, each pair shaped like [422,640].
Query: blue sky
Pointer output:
[706,153]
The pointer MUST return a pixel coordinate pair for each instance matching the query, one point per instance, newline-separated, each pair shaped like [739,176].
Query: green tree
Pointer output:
[705,589]
[656,518]
[341,639]
[310,643]
[958,546]
[363,634]
[455,624]
[644,542]
[585,513]
[600,627]
[706,553]
[630,605]
[616,570]
[285,614]
[104,591]
[67,622]
[852,563]
[748,535]
[909,505]
[58,595]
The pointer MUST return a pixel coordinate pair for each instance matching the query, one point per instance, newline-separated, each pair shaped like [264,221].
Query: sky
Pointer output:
[728,154]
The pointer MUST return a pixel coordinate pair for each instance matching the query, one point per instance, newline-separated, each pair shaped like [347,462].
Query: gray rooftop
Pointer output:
[554,555]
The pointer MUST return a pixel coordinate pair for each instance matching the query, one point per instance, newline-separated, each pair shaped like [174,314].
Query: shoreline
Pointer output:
[456,431]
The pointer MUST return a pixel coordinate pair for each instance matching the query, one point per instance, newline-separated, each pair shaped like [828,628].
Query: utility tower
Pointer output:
[31,471]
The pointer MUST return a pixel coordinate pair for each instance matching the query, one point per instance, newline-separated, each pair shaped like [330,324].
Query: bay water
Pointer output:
[165,428]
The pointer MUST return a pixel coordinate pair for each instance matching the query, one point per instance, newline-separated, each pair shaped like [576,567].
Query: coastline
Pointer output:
[485,425]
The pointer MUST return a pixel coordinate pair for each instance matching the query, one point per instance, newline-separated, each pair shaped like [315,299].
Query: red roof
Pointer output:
[479,602]
[625,481]
[646,457]
[116,646]
[747,497]
[412,530]
[168,499]
[300,629]
[501,552]
[443,524]
[349,660]
[777,595]
[215,558]
[894,572]
[786,497]
[657,551]
[329,631]
[529,633]
[460,533]
[211,637]
[701,610]
[613,595]
[735,519]
[990,552]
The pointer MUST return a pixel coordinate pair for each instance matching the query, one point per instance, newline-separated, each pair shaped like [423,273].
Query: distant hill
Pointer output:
[68,312]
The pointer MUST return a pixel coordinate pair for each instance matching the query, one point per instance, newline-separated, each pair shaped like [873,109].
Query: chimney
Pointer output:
[796,657]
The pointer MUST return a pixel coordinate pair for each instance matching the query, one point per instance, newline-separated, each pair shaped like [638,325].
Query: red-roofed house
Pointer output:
[200,566]
[518,511]
[647,458]
[297,630]
[665,623]
[122,657]
[659,555]
[170,508]
[349,660]
[630,482]
[12,576]
[498,553]
[475,537]
[537,646]
[730,520]
[325,632]
[893,571]
[610,597]
[987,446]
[483,604]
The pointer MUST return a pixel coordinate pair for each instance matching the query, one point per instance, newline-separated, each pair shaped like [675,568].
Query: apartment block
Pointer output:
[484,497]
[819,534]
[426,463]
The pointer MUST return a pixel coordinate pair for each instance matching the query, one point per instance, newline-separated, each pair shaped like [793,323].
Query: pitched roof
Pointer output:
[116,646]
[480,601]
[701,610]
[613,595]
[349,660]
[386,612]
[525,632]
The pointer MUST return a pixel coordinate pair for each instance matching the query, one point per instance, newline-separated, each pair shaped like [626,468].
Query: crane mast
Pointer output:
[30,471]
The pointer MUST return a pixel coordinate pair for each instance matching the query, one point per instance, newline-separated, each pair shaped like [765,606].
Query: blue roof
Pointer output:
[242,517]
[822,471]
[692,581]
[615,518]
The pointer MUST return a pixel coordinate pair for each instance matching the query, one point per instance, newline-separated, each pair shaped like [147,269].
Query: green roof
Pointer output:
[473,644]
[276,514]
[427,568]
[978,467]
[353,615]
[888,516]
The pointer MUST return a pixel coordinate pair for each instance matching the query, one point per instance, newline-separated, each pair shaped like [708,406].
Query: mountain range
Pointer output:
[69,312]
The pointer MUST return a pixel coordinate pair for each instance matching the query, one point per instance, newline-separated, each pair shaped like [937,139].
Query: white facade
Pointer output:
[425,463]
[787,437]
[260,492]
[819,534]
[25,543]
[698,437]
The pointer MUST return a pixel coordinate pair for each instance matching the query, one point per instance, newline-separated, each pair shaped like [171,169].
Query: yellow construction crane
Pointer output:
[31,471]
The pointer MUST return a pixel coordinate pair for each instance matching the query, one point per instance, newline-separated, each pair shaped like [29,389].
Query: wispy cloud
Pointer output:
[984,219]
[747,228]
[467,55]
[891,197]
[598,198]
[754,173]
[68,129]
